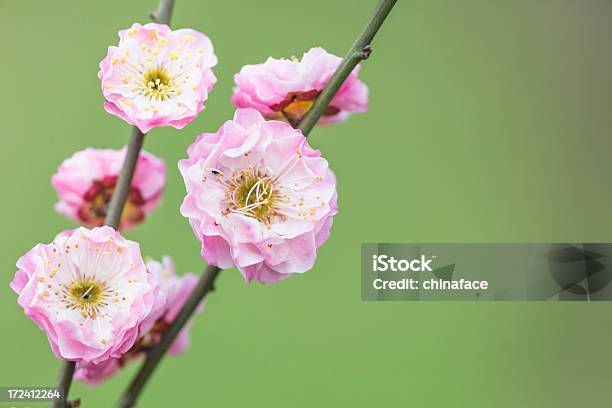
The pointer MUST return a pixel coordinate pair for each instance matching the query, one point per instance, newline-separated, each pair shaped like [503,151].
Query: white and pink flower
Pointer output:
[287,89]
[258,197]
[157,76]
[89,291]
[175,291]
[85,183]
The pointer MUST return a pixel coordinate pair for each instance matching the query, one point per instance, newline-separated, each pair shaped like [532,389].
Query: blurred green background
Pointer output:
[489,122]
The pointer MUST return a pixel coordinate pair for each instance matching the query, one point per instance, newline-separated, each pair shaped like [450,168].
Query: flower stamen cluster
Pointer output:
[157,84]
[91,297]
[253,193]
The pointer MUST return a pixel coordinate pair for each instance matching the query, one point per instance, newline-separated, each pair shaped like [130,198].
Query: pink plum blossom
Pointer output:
[281,88]
[157,76]
[258,197]
[175,291]
[89,291]
[85,183]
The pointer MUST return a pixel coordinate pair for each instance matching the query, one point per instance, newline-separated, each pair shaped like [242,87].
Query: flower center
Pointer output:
[253,194]
[93,212]
[88,296]
[157,84]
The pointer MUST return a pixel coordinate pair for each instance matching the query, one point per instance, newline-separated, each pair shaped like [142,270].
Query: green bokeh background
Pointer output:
[489,122]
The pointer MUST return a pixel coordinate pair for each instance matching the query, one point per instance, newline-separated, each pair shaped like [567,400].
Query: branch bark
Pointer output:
[115,208]
[359,51]
[124,182]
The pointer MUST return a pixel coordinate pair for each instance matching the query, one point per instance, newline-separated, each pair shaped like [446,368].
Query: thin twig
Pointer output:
[124,182]
[163,13]
[359,51]
[115,208]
